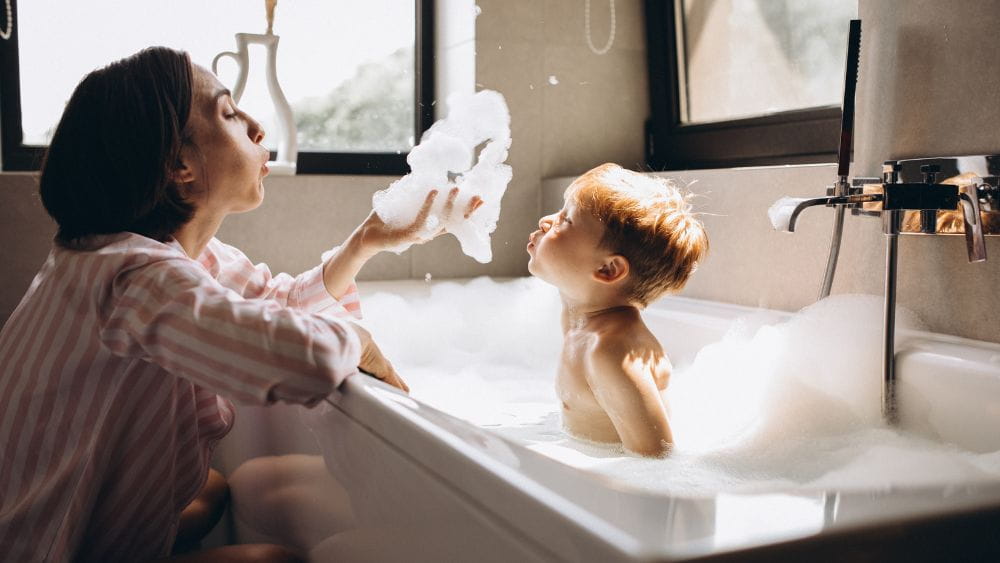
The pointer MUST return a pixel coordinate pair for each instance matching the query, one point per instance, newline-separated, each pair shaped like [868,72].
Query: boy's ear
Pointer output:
[614,268]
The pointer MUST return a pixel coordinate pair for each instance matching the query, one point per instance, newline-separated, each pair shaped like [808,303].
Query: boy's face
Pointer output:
[565,250]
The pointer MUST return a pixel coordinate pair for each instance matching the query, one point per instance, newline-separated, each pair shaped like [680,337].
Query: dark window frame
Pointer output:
[20,157]
[792,137]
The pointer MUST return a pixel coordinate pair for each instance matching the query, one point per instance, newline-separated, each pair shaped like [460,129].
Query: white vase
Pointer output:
[288,147]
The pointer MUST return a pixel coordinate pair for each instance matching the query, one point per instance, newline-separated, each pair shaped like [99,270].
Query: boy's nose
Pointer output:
[545,223]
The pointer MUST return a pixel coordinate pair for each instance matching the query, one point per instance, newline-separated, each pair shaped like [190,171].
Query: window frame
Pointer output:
[18,157]
[792,137]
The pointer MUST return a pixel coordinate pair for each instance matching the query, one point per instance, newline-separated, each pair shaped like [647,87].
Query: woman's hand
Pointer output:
[374,363]
[374,236]
[377,236]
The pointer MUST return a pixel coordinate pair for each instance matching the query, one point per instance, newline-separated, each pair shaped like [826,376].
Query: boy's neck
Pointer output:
[577,313]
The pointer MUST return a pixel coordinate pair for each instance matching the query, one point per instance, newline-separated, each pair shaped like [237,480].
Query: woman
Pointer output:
[118,364]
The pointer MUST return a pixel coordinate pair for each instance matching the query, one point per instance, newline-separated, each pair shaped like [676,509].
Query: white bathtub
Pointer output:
[401,481]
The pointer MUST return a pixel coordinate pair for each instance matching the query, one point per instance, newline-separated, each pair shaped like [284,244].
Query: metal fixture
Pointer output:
[910,200]
[841,188]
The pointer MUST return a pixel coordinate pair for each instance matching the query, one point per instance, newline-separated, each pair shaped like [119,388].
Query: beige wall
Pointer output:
[25,237]
[594,112]
[928,84]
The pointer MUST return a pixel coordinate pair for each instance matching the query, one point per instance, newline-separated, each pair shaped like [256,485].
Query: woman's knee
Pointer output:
[213,498]
[216,490]
[198,518]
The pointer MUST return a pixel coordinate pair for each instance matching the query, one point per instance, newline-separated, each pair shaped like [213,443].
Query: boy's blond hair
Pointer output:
[649,222]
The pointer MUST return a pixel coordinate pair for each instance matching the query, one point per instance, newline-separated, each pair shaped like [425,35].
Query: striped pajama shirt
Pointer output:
[116,371]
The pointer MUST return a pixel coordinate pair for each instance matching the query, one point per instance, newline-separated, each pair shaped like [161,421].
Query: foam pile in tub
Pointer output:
[793,404]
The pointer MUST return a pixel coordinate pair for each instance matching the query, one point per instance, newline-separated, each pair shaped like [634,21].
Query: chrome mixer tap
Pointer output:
[910,198]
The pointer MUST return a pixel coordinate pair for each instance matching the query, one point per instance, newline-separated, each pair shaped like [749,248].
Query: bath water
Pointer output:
[770,406]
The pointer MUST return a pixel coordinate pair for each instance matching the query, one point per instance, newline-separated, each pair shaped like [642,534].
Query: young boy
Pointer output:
[620,241]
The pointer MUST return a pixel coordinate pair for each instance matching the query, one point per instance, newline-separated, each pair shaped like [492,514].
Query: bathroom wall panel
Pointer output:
[25,237]
[596,111]
[928,81]
[565,23]
[303,216]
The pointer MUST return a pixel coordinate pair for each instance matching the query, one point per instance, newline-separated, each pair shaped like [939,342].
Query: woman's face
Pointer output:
[224,163]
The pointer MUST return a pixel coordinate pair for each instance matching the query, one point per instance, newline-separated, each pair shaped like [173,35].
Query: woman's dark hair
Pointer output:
[108,167]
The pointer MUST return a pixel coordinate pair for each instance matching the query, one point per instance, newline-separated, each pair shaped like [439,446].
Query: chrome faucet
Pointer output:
[829,201]
[910,200]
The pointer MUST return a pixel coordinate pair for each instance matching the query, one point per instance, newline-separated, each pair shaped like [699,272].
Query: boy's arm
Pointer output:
[622,381]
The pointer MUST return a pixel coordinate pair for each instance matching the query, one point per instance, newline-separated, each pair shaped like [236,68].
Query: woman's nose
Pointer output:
[255,130]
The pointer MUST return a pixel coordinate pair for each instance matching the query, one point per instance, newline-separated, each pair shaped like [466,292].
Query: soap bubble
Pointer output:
[446,157]
[781,212]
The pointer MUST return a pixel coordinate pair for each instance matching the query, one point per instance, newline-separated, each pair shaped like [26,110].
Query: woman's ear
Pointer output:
[184,170]
[615,268]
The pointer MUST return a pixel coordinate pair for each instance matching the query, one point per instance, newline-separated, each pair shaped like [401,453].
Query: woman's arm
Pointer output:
[374,236]
[168,312]
[305,292]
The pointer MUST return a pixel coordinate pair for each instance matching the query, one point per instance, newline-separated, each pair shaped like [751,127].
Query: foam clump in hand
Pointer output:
[446,157]
[781,212]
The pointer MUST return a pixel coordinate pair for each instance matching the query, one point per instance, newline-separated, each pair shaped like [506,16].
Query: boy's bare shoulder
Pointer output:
[629,350]
[624,335]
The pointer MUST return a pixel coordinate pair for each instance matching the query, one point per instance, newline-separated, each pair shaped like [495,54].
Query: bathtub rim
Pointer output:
[360,398]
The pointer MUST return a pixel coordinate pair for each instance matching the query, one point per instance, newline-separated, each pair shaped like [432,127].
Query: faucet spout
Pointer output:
[811,202]
[784,220]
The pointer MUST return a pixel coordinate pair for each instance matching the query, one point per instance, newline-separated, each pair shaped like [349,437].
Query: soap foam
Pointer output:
[446,157]
[781,212]
[770,406]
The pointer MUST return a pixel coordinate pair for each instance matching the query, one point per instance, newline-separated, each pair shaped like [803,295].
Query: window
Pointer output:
[358,75]
[745,82]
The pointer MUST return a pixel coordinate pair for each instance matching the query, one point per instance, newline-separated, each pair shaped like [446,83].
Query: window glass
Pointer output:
[748,58]
[346,68]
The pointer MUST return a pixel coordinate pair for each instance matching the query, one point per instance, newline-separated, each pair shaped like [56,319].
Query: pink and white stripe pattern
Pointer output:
[113,370]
